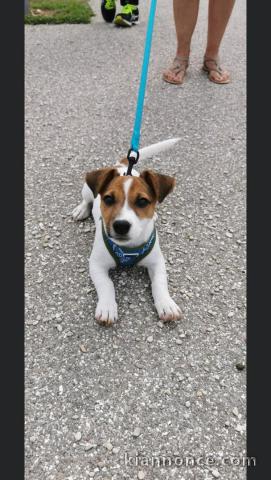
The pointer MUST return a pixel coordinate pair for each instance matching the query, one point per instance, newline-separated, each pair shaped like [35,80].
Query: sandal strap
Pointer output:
[179,64]
[217,68]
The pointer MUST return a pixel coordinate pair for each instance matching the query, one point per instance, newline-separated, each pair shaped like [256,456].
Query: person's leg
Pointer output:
[219,14]
[185,17]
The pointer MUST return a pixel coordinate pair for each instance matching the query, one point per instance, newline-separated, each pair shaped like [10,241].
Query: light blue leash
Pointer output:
[133,153]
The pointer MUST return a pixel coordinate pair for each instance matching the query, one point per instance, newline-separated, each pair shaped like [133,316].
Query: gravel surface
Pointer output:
[96,397]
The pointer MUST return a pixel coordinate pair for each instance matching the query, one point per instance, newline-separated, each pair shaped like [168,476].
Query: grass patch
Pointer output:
[58,11]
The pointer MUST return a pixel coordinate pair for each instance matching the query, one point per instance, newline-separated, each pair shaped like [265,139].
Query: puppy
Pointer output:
[123,209]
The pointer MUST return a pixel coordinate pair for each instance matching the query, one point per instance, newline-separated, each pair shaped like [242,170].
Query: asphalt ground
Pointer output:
[97,398]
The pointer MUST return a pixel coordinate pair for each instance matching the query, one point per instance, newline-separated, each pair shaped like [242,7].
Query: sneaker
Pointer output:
[108,8]
[128,16]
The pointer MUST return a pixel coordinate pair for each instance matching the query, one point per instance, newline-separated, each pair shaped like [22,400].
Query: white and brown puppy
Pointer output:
[124,214]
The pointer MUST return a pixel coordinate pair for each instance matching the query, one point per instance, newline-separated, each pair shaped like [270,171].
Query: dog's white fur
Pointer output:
[101,261]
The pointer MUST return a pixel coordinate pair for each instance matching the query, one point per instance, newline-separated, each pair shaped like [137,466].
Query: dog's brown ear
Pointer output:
[99,179]
[160,185]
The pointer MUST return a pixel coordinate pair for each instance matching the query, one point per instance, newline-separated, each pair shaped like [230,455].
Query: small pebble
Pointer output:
[77,436]
[89,446]
[235,412]
[179,341]
[83,348]
[240,428]
[150,339]
[215,473]
[108,445]
[187,404]
[240,366]
[136,432]
[141,475]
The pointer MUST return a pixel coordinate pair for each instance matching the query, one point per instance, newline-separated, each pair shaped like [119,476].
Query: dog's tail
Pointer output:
[156,148]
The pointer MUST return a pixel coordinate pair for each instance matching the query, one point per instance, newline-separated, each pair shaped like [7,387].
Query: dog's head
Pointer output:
[128,202]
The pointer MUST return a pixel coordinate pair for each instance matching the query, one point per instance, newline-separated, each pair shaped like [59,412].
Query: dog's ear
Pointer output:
[99,179]
[160,185]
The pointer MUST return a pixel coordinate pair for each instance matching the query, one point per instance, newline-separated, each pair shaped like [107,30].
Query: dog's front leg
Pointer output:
[165,306]
[82,210]
[106,310]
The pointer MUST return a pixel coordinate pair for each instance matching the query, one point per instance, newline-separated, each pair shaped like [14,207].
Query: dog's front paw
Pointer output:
[82,211]
[167,310]
[106,313]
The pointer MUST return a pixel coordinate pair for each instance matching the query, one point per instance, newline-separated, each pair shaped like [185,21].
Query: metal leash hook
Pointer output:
[132,157]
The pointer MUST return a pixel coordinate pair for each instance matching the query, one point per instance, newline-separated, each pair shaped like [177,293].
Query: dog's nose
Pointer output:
[121,227]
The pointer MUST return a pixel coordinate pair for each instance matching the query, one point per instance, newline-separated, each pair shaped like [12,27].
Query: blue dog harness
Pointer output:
[125,256]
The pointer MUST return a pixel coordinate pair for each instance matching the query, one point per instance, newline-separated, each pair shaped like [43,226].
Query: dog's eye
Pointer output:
[109,200]
[142,202]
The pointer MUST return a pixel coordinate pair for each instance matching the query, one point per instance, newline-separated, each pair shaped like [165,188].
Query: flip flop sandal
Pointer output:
[179,65]
[215,68]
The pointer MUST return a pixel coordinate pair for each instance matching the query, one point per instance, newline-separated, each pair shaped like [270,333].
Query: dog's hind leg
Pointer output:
[82,210]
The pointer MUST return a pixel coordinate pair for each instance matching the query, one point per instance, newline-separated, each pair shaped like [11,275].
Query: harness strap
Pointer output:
[126,256]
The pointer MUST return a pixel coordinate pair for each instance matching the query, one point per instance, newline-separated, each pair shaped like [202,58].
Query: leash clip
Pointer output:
[132,157]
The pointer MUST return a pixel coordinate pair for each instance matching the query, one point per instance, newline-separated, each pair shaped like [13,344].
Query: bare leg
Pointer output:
[219,15]
[185,16]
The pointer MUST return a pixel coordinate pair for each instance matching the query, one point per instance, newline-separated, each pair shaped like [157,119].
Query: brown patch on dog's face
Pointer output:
[160,185]
[141,198]
[112,200]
